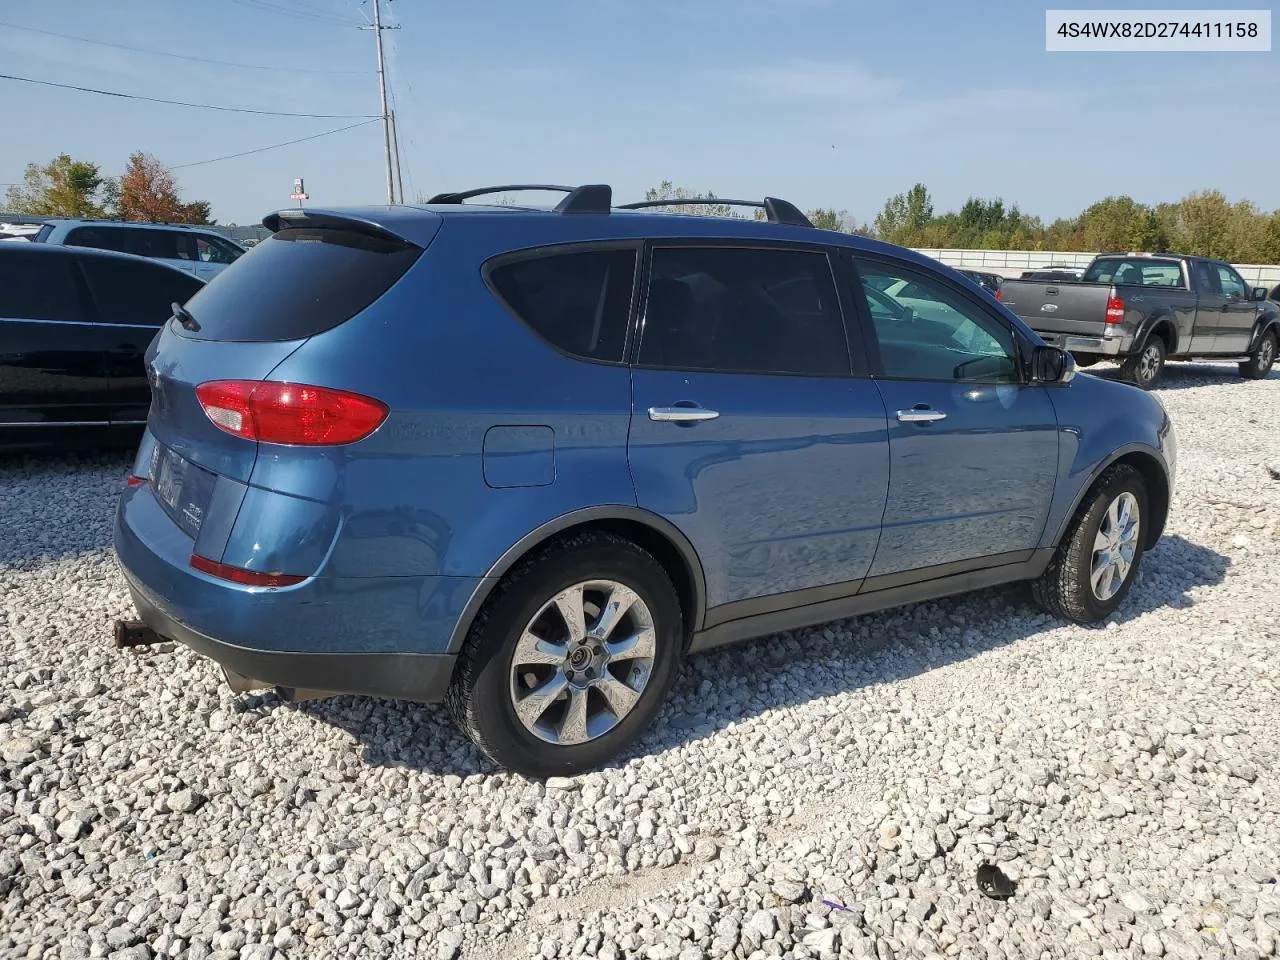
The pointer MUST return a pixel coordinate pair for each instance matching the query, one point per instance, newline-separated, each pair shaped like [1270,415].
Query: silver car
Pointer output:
[196,250]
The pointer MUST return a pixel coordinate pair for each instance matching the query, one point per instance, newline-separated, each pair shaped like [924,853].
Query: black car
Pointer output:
[988,281]
[74,324]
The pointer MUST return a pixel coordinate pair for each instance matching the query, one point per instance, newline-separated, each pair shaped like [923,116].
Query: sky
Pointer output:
[834,103]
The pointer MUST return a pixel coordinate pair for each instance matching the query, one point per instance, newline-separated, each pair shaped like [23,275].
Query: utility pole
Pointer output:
[395,145]
[382,88]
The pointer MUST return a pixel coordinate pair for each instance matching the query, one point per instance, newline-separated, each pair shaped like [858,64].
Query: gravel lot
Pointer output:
[1125,777]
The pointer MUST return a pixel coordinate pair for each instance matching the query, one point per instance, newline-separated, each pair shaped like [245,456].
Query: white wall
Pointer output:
[1011,263]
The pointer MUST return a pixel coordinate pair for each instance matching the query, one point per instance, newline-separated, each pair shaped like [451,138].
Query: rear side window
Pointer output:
[38,287]
[299,282]
[578,301]
[140,241]
[1137,271]
[744,311]
[102,238]
[125,292]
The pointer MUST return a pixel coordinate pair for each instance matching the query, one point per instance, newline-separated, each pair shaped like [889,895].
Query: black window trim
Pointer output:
[635,246]
[871,344]
[856,364]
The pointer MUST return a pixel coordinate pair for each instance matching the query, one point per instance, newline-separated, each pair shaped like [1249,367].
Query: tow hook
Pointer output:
[134,633]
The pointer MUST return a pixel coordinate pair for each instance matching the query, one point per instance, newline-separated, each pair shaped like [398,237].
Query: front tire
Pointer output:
[1144,368]
[1095,564]
[1259,365]
[570,658]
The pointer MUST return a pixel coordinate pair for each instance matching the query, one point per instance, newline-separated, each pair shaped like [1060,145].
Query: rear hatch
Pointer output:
[1078,309]
[317,272]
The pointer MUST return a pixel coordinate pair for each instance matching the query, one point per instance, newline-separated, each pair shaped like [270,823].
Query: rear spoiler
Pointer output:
[299,218]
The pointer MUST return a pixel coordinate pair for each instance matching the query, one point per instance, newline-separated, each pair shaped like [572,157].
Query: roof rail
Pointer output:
[588,198]
[459,196]
[776,211]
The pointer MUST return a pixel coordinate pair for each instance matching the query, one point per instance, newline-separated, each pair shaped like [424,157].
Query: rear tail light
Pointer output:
[997,293]
[133,480]
[291,413]
[250,578]
[1115,310]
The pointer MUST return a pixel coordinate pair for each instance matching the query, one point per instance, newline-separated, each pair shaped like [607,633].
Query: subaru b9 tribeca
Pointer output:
[524,460]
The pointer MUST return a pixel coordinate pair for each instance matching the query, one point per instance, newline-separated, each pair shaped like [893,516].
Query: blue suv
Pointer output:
[523,460]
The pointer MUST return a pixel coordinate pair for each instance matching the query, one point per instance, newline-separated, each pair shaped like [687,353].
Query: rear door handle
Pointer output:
[920,416]
[681,414]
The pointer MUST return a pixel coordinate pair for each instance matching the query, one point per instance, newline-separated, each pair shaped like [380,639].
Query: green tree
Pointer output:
[61,188]
[828,218]
[669,191]
[905,216]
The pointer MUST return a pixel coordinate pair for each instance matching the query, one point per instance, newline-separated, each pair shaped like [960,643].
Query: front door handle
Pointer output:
[681,414]
[920,416]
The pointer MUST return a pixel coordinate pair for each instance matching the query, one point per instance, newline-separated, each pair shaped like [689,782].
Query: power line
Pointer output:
[298,12]
[183,103]
[287,143]
[178,56]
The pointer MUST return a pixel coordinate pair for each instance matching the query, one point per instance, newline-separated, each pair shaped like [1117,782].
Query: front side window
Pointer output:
[927,331]
[578,300]
[743,310]
[215,250]
[1230,281]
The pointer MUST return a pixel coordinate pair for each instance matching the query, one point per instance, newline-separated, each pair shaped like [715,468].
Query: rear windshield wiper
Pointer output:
[184,317]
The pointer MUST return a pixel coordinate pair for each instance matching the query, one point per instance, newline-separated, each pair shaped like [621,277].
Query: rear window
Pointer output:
[298,283]
[1137,271]
[126,292]
[578,301]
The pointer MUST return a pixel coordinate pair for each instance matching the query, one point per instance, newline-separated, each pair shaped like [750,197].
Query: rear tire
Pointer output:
[1264,358]
[1084,582]
[545,691]
[1143,368]
[1085,359]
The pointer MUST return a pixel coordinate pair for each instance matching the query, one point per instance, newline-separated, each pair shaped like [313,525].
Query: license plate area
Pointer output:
[182,489]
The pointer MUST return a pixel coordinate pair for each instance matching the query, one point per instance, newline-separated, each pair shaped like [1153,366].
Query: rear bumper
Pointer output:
[1102,346]
[380,636]
[404,676]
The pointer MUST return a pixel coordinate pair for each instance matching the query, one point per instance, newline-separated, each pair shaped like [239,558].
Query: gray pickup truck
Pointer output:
[1140,309]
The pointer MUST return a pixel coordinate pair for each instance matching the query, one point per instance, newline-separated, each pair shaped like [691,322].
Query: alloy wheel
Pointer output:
[582,662]
[1114,546]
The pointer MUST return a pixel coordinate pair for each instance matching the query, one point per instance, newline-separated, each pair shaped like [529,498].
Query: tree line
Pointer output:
[146,192]
[1203,224]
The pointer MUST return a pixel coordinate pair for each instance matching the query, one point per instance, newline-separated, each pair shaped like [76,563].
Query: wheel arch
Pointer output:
[1162,322]
[654,533]
[1264,324]
[1154,475]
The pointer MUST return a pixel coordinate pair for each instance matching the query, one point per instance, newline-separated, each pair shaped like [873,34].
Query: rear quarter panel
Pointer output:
[417,497]
[1099,422]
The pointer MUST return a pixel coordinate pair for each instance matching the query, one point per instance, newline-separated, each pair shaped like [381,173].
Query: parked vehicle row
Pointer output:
[74,325]
[1142,309]
[524,460]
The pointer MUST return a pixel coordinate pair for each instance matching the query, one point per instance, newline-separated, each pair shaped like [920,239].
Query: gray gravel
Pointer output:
[828,793]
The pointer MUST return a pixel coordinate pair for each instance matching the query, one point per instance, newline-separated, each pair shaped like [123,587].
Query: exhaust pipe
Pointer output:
[134,633]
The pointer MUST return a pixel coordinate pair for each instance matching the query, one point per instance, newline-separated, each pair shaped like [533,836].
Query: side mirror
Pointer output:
[1052,365]
[1259,293]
